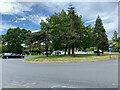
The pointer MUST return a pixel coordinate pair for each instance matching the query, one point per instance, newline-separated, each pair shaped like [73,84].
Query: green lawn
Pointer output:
[67,58]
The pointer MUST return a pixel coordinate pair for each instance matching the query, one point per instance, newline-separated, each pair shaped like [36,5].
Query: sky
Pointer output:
[28,15]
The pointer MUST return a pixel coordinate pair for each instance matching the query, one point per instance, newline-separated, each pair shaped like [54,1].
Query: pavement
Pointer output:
[97,74]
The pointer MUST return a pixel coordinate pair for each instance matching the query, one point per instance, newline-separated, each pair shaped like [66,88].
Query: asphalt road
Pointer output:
[98,74]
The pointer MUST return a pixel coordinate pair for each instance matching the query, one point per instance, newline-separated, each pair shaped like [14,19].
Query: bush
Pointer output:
[116,48]
[92,48]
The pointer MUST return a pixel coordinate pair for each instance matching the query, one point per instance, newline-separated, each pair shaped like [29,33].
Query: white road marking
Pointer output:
[114,84]
[60,86]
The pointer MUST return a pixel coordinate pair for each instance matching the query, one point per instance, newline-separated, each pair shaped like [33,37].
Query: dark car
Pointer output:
[49,53]
[100,51]
[11,55]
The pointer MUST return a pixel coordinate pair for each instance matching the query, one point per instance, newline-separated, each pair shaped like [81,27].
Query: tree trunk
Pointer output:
[73,51]
[98,53]
[69,51]
[46,50]
[102,52]
[65,50]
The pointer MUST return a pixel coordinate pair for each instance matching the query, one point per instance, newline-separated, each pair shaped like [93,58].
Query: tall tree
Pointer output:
[46,33]
[34,41]
[56,31]
[64,19]
[60,24]
[14,38]
[74,37]
[100,37]
[115,42]
[115,36]
[88,37]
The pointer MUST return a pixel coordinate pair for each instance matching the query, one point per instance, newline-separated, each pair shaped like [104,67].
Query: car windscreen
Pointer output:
[14,54]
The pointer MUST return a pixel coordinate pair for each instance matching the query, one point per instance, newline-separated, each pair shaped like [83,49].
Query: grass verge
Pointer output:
[68,58]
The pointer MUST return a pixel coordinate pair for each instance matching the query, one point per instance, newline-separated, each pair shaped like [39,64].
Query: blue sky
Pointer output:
[29,14]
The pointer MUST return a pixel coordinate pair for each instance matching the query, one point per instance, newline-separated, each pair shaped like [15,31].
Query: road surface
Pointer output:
[97,74]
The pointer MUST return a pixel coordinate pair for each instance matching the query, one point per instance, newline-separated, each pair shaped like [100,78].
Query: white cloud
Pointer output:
[43,18]
[35,31]
[13,8]
[22,19]
[15,21]
[90,21]
[18,20]
[51,7]
[64,0]
[107,11]
[104,18]
[12,20]
[36,18]
[5,7]
[111,26]
[6,26]
[56,6]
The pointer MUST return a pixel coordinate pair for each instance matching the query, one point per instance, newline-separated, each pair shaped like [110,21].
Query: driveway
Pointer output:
[97,74]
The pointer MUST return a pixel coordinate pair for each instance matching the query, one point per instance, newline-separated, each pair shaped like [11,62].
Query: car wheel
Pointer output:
[6,57]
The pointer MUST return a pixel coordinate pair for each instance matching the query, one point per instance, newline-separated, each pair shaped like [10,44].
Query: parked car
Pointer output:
[96,51]
[11,55]
[56,52]
[44,53]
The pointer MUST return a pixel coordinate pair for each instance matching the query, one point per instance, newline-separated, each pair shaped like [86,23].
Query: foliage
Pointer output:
[92,48]
[59,23]
[13,39]
[87,38]
[115,36]
[76,30]
[100,38]
[45,34]
[116,47]
[115,42]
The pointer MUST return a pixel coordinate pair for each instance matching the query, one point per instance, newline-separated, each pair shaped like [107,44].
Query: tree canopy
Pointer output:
[100,39]
[14,38]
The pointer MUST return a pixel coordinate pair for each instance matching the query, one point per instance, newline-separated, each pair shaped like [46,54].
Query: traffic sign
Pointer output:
[110,48]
